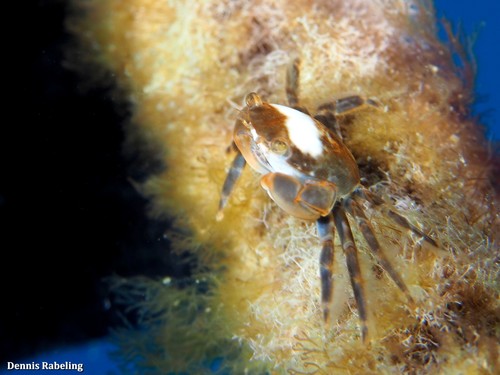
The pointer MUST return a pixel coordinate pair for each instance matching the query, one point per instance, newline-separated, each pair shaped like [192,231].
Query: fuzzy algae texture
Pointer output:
[253,297]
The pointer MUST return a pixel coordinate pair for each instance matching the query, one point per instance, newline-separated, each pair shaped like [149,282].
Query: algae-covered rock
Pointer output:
[185,67]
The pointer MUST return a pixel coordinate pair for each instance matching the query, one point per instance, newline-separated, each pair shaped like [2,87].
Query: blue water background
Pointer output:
[479,19]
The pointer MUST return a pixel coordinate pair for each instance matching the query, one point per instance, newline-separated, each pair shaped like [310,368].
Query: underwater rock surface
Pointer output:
[185,67]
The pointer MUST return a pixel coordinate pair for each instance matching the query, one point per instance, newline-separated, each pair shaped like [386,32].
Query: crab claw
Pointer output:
[307,200]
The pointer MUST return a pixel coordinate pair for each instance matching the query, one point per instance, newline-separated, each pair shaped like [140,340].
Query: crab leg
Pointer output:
[327,118]
[351,254]
[292,86]
[406,224]
[292,83]
[347,104]
[397,218]
[326,234]
[366,229]
[326,112]
[234,173]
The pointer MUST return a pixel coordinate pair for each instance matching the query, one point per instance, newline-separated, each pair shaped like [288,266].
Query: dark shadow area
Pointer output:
[69,216]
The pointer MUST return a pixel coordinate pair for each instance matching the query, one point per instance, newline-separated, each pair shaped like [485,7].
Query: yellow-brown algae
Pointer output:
[185,66]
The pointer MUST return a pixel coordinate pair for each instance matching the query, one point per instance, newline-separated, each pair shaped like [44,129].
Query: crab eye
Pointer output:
[279,146]
[253,100]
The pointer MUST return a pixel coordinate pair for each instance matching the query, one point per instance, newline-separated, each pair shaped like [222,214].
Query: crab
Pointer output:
[309,172]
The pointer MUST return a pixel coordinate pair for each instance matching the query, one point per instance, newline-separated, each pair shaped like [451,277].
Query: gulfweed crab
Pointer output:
[309,172]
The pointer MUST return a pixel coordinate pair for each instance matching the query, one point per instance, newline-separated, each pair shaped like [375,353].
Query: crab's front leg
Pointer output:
[234,173]
[308,199]
[326,233]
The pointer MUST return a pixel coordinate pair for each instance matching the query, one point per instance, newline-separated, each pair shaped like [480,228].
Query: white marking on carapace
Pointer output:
[302,130]
[281,165]
[255,136]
